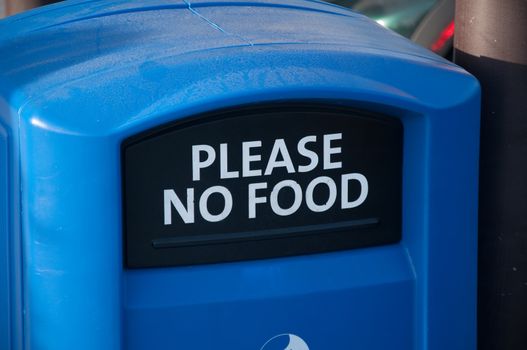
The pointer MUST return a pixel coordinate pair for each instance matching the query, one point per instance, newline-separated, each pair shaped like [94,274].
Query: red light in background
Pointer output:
[445,35]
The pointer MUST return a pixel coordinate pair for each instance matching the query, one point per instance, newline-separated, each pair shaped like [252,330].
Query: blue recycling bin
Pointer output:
[232,175]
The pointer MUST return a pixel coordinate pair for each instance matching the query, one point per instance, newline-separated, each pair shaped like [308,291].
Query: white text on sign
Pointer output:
[259,193]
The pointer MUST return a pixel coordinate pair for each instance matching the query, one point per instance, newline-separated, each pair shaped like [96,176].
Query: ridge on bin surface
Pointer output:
[73,32]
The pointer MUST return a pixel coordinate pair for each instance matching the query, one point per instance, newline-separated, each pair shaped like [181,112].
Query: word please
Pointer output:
[258,194]
[279,157]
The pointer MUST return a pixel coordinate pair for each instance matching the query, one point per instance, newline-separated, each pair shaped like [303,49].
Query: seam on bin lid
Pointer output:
[25,16]
[192,8]
[215,25]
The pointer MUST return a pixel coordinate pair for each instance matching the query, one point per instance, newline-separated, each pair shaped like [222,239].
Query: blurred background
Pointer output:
[430,23]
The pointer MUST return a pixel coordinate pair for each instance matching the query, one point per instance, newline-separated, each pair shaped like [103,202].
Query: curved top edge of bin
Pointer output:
[87,43]
[92,28]
[78,10]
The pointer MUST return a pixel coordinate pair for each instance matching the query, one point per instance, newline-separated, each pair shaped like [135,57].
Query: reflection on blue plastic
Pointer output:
[78,78]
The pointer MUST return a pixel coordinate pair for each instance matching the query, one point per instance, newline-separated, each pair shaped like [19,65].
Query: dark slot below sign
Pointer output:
[261,182]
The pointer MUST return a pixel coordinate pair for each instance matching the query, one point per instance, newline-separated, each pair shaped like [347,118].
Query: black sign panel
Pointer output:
[260,182]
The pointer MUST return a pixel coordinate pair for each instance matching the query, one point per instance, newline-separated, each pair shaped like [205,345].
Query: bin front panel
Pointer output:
[259,182]
[358,299]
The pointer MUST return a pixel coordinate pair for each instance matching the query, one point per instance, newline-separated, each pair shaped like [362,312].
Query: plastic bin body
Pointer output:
[80,78]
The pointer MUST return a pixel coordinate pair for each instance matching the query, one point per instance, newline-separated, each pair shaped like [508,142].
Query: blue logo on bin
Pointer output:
[285,342]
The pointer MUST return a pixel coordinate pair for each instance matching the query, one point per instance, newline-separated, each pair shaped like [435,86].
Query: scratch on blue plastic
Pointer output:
[82,76]
[214,25]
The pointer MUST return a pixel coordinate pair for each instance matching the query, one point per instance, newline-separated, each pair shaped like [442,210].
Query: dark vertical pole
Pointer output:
[491,43]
